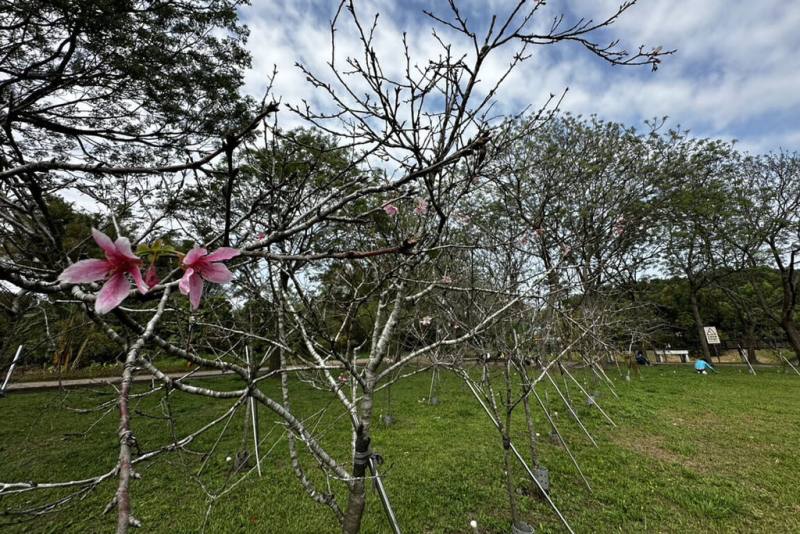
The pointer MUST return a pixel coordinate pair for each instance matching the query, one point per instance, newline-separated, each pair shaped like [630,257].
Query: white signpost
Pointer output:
[711,335]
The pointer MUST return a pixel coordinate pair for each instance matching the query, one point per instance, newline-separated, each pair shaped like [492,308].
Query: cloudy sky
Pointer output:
[735,74]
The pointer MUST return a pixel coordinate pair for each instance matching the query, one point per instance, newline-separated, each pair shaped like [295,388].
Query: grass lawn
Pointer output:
[691,453]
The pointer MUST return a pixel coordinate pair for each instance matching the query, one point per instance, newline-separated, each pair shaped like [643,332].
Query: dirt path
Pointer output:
[101,381]
[107,380]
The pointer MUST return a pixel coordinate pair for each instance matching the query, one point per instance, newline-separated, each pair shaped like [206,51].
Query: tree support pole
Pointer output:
[595,404]
[790,363]
[374,461]
[743,356]
[519,457]
[253,416]
[11,370]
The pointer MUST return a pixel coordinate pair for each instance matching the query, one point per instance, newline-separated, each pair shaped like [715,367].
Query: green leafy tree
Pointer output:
[694,206]
[767,230]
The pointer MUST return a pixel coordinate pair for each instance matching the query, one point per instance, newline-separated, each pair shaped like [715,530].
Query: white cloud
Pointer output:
[736,73]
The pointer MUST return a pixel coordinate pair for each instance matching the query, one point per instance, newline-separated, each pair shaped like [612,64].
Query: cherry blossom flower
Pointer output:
[262,236]
[199,266]
[151,276]
[391,210]
[120,260]
[422,207]
[446,280]
[426,321]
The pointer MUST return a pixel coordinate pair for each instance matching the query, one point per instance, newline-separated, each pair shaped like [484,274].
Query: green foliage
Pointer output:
[121,67]
[729,305]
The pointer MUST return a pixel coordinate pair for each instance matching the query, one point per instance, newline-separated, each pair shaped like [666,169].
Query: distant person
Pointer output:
[701,367]
[641,359]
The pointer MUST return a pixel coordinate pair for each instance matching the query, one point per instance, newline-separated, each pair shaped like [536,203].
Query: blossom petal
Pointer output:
[196,291]
[104,242]
[216,272]
[193,255]
[134,271]
[112,294]
[123,246]
[185,283]
[85,271]
[223,253]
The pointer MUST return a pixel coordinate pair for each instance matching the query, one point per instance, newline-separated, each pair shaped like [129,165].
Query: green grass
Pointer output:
[691,453]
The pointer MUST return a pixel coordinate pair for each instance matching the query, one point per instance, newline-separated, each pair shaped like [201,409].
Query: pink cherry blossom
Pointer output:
[120,260]
[446,280]
[151,276]
[261,236]
[199,266]
[391,210]
[422,207]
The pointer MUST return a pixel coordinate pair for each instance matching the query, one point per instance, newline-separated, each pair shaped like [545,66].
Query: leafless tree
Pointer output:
[386,224]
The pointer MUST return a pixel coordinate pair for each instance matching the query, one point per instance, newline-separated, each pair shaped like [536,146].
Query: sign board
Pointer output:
[711,335]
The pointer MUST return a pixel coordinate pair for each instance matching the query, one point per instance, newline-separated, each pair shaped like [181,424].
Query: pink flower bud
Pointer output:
[151,276]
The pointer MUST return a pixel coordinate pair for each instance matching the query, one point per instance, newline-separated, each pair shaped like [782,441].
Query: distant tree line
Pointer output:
[690,231]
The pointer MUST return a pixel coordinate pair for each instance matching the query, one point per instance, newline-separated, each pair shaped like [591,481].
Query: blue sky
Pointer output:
[735,75]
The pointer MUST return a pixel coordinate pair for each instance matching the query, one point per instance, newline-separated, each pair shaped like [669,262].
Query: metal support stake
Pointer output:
[587,395]
[563,441]
[384,497]
[254,416]
[519,457]
[10,370]
[743,355]
[790,363]
[571,410]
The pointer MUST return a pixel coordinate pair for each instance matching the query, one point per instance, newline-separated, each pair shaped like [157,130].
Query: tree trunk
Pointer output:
[531,431]
[122,497]
[793,336]
[509,480]
[698,321]
[351,523]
